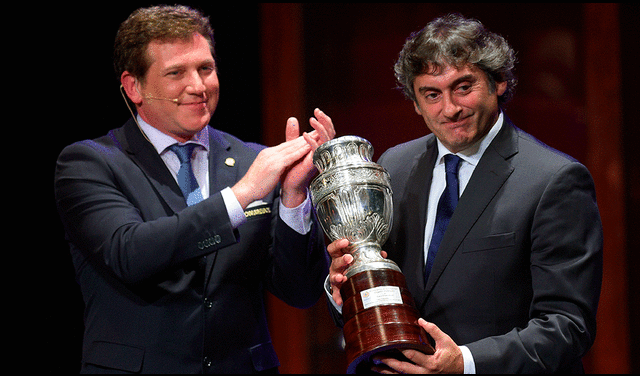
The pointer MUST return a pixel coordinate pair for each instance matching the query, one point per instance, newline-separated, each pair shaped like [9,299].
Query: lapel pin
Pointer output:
[230,162]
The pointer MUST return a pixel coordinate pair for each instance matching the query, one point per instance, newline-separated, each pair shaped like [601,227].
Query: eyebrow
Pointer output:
[182,66]
[466,77]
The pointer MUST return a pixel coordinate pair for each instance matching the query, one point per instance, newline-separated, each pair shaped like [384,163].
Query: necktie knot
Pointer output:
[452,163]
[183,152]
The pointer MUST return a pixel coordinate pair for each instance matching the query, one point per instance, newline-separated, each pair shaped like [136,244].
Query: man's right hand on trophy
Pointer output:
[340,261]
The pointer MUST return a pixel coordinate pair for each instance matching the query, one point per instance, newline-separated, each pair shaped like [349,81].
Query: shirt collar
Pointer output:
[473,153]
[162,141]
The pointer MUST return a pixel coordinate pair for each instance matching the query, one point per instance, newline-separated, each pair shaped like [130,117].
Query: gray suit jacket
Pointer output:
[170,288]
[518,273]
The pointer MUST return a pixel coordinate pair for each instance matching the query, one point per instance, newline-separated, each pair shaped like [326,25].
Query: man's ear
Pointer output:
[130,86]
[417,108]
[501,87]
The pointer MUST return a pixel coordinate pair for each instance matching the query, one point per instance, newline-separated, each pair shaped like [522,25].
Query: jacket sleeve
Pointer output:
[566,270]
[300,264]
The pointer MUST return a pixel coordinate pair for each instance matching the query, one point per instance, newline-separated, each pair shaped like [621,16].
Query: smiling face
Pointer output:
[180,69]
[458,105]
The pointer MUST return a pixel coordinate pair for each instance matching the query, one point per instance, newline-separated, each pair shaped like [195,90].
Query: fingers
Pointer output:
[406,362]
[433,330]
[292,130]
[323,126]
[411,361]
[286,154]
[297,145]
[335,292]
[338,247]
[448,356]
[340,260]
[265,171]
[291,161]
[311,140]
[338,266]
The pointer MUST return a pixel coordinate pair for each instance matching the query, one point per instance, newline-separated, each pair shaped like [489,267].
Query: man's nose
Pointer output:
[451,108]
[196,84]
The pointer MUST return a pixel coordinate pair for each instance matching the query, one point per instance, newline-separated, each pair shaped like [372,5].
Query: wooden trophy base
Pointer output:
[379,315]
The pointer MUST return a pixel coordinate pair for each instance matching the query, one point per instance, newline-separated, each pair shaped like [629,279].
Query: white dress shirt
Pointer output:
[470,158]
[298,218]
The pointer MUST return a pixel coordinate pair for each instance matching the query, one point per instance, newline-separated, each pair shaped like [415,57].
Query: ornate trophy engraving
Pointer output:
[353,200]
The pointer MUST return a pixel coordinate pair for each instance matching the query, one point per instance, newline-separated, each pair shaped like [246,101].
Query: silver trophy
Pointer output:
[352,196]
[353,200]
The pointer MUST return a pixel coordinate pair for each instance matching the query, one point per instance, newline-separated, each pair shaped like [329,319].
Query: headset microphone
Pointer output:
[162,99]
[154,98]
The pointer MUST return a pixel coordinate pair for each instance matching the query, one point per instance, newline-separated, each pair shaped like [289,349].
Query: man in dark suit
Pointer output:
[515,281]
[176,229]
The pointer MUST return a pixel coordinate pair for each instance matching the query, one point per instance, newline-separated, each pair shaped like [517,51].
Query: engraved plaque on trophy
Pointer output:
[353,200]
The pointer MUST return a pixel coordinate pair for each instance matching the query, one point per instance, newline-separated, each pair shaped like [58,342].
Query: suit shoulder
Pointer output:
[107,144]
[230,141]
[538,164]
[399,155]
[87,157]
[529,146]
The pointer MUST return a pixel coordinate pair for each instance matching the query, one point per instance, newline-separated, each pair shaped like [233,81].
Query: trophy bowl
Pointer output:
[353,200]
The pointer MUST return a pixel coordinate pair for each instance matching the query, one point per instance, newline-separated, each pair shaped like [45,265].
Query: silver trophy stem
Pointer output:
[366,256]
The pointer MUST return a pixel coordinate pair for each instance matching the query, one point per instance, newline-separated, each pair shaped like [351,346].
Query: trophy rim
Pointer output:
[340,140]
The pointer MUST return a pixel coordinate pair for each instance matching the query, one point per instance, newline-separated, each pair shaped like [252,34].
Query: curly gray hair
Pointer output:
[455,41]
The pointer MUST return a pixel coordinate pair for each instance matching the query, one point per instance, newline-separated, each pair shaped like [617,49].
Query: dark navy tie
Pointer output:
[446,206]
[186,179]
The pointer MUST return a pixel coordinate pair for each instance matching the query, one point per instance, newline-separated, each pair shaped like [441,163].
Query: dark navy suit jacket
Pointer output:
[170,288]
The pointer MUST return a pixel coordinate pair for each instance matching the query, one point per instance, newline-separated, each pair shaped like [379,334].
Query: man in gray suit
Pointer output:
[513,285]
[177,229]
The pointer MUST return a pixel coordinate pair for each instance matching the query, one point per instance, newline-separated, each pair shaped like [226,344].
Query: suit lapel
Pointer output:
[223,163]
[224,167]
[492,171]
[223,171]
[416,196]
[145,156]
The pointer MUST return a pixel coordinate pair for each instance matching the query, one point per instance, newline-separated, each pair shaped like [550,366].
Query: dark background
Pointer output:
[60,63]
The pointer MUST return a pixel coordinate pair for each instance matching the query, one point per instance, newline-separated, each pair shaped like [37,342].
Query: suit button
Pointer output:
[206,361]
[208,303]
[209,242]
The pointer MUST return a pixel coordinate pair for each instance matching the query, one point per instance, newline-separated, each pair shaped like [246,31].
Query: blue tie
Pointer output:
[446,206]
[186,179]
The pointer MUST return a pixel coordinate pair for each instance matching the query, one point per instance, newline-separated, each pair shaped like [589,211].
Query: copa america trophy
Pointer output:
[353,200]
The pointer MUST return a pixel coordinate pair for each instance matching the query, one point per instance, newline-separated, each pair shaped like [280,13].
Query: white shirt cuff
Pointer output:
[236,214]
[298,218]
[327,290]
[469,364]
